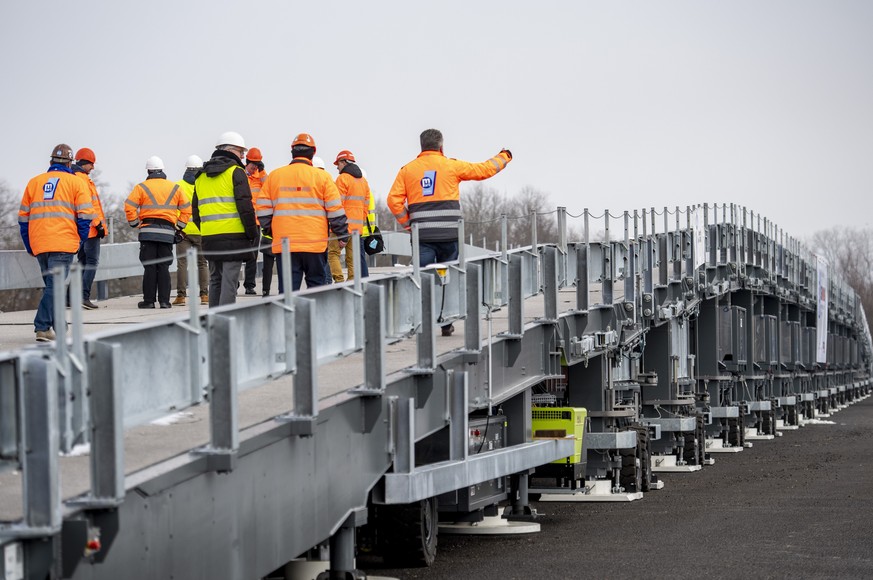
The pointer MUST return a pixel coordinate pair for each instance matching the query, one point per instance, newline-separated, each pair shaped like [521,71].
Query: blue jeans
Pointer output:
[434,252]
[45,312]
[89,257]
[365,269]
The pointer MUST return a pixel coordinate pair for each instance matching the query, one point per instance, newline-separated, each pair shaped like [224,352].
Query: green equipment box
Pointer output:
[556,422]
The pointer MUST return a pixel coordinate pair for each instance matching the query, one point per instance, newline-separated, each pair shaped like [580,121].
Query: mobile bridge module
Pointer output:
[333,421]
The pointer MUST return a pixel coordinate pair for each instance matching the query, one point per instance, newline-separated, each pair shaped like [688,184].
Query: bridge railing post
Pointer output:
[42,489]
[107,416]
[195,338]
[223,412]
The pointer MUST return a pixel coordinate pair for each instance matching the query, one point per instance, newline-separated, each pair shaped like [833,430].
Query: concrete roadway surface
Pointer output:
[799,506]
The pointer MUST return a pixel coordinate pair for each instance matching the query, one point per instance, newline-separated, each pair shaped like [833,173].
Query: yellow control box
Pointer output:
[559,422]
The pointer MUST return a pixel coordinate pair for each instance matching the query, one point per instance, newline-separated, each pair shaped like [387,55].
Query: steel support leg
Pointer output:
[342,550]
[520,510]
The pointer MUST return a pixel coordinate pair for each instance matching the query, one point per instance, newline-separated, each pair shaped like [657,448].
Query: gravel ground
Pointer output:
[799,506]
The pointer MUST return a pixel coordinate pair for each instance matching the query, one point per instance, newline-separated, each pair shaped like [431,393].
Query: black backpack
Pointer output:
[373,243]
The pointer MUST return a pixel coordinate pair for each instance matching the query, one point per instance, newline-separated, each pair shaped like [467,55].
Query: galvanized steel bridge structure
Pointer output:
[297,413]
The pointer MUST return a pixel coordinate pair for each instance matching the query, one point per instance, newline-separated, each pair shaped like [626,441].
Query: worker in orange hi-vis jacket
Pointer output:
[426,192]
[299,203]
[355,194]
[55,216]
[159,208]
[89,251]
[257,176]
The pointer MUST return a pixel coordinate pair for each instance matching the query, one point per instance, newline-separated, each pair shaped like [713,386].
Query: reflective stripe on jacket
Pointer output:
[157,207]
[187,190]
[300,203]
[426,192]
[355,195]
[217,205]
[50,207]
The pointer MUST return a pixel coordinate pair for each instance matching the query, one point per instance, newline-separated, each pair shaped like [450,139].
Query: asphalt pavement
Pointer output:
[799,506]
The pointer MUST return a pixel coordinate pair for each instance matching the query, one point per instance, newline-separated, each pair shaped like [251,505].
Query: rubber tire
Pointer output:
[629,477]
[689,450]
[766,423]
[734,434]
[644,454]
[701,440]
[409,534]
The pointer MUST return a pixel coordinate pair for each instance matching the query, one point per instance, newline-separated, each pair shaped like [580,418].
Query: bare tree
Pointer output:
[849,253]
[482,208]
[10,201]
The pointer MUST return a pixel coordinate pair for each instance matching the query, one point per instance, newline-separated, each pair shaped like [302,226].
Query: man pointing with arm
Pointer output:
[426,192]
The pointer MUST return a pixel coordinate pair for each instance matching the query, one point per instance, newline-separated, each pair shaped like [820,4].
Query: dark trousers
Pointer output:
[437,252]
[89,257]
[434,252]
[267,274]
[156,258]
[251,269]
[223,282]
[311,265]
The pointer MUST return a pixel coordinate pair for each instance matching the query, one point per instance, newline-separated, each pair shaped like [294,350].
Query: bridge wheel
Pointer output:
[629,478]
[689,449]
[409,533]
[700,433]
[644,454]
[734,435]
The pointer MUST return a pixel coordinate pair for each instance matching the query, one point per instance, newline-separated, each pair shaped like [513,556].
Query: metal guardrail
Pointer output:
[105,390]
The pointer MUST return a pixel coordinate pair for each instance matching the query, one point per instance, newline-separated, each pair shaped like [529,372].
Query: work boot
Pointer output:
[448,330]
[145,305]
[179,301]
[88,305]
[204,300]
[45,335]
[251,292]
[165,305]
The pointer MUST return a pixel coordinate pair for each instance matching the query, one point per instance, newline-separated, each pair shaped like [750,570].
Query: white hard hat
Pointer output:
[194,162]
[154,163]
[318,162]
[231,138]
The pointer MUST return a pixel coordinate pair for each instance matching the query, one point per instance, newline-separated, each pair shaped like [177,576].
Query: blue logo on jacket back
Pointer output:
[48,190]
[428,182]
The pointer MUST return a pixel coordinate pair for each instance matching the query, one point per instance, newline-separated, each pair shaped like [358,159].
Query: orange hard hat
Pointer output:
[344,155]
[85,154]
[303,139]
[254,154]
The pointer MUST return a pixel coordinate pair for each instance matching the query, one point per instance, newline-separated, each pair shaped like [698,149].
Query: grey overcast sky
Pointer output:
[619,105]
